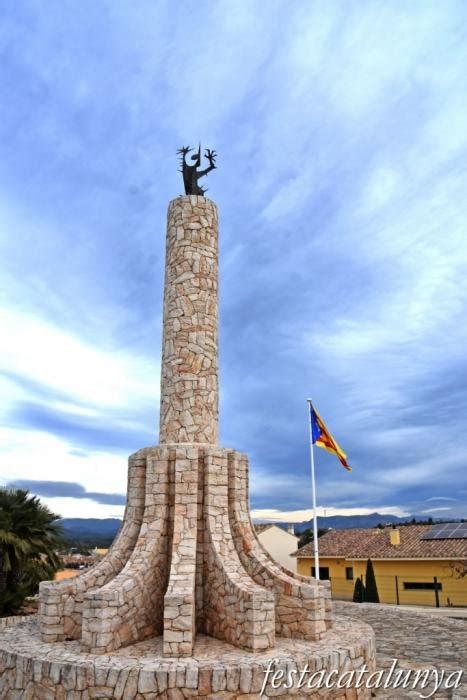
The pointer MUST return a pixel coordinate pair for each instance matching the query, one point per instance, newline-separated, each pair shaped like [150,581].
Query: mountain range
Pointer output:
[96,531]
[371,520]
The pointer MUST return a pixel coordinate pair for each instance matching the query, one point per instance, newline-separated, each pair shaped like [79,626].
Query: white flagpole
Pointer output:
[313,491]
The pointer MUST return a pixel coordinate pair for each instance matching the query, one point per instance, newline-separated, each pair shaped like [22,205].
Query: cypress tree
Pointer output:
[358,591]
[370,584]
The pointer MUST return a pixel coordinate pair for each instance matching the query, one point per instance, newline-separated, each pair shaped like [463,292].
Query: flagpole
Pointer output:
[313,491]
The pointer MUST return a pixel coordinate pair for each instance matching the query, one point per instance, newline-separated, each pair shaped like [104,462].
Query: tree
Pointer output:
[359,591]
[307,536]
[371,595]
[29,538]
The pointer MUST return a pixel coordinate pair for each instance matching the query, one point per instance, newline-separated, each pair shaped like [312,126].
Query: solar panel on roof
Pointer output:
[446,531]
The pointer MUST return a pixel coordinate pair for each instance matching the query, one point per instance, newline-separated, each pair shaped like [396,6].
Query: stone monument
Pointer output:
[187,602]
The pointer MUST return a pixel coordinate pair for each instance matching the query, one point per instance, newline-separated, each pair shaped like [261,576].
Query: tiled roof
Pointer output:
[368,543]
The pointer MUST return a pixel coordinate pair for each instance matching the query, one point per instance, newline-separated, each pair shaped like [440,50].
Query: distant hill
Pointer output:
[101,531]
[94,532]
[346,521]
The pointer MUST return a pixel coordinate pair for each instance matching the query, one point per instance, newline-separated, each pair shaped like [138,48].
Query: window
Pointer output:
[422,586]
[323,572]
[349,573]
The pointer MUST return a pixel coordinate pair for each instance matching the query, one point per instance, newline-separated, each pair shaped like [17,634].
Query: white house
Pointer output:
[279,543]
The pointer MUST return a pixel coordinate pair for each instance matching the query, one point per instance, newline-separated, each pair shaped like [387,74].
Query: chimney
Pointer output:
[290,529]
[395,536]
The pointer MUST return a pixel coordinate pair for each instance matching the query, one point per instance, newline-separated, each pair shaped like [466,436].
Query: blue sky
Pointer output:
[341,187]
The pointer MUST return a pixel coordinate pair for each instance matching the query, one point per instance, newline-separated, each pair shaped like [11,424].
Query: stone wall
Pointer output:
[34,670]
[61,602]
[302,605]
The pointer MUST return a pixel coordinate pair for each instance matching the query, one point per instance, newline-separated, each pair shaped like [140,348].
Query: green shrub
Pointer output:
[358,591]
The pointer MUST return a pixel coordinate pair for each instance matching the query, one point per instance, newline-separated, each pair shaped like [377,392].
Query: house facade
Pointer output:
[409,569]
[281,544]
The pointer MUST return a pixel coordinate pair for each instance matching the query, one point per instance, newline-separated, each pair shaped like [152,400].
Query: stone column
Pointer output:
[189,372]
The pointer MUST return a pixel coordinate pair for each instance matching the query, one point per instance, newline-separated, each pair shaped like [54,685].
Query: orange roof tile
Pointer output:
[369,543]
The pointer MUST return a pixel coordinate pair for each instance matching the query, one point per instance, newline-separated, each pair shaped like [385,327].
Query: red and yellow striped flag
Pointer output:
[321,437]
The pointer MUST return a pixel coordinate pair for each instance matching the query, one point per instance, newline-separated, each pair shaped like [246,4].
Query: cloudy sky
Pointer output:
[341,185]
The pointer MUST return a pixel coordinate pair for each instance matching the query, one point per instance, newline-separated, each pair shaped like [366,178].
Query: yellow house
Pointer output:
[411,568]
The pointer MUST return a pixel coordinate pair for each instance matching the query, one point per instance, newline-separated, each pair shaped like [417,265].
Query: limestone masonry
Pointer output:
[189,374]
[186,577]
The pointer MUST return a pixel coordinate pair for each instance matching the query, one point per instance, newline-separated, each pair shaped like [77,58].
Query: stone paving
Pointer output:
[418,639]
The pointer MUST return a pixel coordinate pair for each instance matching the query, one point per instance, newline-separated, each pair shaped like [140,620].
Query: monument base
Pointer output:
[32,669]
[186,560]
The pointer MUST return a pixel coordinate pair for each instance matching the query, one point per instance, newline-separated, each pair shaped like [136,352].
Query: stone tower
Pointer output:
[186,559]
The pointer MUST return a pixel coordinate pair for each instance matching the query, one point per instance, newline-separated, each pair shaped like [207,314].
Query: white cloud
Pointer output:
[427,469]
[82,508]
[441,498]
[37,455]
[296,516]
[332,486]
[435,510]
[71,378]
[397,437]
[36,349]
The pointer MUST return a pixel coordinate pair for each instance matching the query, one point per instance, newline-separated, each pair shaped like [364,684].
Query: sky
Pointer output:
[341,186]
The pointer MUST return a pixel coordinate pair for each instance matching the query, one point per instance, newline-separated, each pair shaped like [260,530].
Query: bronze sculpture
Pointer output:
[190,173]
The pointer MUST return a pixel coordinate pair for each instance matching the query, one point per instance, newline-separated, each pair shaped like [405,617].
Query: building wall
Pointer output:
[453,590]
[280,545]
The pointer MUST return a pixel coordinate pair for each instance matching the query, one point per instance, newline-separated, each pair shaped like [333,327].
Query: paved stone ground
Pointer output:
[418,639]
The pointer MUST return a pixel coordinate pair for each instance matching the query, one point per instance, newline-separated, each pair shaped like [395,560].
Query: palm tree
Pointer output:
[29,538]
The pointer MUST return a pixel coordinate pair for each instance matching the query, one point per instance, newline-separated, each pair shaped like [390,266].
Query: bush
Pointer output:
[371,595]
[359,591]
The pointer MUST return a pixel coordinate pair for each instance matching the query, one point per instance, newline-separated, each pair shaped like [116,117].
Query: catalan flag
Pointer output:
[321,437]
